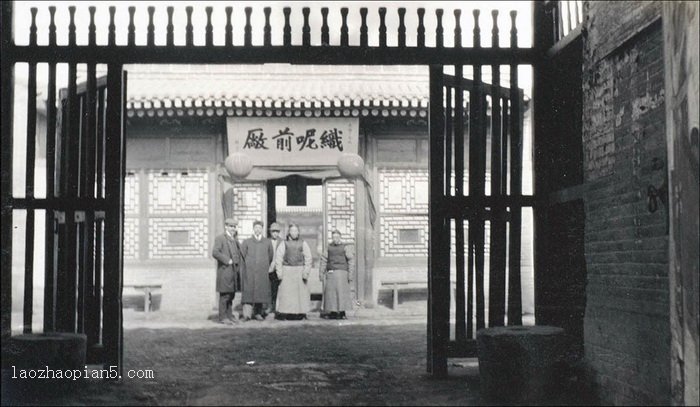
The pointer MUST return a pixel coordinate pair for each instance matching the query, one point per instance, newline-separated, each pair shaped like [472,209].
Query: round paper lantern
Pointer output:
[238,165]
[351,165]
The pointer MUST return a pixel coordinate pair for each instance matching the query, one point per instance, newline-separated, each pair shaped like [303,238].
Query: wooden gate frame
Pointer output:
[115,56]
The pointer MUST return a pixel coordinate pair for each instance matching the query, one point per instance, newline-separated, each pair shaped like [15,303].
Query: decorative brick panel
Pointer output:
[131,195]
[247,205]
[131,237]
[390,246]
[340,209]
[197,246]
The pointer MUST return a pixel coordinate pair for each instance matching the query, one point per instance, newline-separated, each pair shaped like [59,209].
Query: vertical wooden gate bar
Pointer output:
[115,145]
[477,174]
[50,225]
[514,294]
[66,281]
[439,264]
[29,187]
[460,312]
[94,351]
[497,266]
[7,73]
[460,309]
[91,327]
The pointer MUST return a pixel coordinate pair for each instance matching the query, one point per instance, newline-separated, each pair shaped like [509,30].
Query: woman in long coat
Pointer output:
[335,271]
[293,265]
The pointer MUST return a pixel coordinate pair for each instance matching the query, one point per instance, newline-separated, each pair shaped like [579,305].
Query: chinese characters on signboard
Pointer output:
[286,140]
[293,141]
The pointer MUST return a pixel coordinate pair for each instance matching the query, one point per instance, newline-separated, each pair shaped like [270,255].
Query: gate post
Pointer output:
[7,82]
[115,146]
[438,247]
[543,39]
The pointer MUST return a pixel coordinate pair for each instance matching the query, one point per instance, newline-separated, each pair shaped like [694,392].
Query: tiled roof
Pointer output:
[279,91]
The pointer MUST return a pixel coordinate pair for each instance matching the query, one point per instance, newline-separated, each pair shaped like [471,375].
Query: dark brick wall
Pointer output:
[560,283]
[626,324]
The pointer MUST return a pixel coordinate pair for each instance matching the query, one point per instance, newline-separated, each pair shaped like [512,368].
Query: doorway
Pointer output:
[299,200]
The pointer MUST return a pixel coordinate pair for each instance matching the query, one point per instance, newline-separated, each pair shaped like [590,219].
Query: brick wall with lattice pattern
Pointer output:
[131,216]
[403,212]
[131,237]
[247,205]
[131,194]
[340,209]
[191,242]
[178,213]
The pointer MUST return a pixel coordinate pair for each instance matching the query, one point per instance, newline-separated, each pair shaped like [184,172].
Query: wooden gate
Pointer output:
[465,117]
[85,200]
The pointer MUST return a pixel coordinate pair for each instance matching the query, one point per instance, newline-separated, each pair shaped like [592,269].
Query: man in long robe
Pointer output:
[258,254]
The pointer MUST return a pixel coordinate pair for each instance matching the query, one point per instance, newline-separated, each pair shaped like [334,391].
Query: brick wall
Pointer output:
[626,324]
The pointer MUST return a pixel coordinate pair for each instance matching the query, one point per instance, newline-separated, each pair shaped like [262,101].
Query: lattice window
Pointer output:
[178,192]
[403,190]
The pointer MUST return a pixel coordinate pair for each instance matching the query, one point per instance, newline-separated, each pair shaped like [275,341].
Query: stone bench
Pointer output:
[147,289]
[398,284]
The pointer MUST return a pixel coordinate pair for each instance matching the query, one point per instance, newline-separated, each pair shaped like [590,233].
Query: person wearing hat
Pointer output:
[227,253]
[275,239]
[335,271]
[257,256]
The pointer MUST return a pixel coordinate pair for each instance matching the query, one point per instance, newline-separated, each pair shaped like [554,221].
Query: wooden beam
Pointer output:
[325,55]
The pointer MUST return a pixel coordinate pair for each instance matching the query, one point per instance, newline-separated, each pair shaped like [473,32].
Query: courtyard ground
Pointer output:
[377,357]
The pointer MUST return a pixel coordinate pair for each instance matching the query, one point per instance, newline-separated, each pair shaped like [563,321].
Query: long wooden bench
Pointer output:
[147,289]
[408,281]
[397,284]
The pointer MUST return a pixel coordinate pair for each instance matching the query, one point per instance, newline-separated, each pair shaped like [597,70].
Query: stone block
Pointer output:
[520,363]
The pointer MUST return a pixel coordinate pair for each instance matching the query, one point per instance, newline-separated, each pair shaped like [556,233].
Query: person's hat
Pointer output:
[275,226]
[231,222]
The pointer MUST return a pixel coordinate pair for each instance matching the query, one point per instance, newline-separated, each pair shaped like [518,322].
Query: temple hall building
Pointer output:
[293,124]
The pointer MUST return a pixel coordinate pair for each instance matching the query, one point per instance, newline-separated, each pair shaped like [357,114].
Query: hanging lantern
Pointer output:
[238,165]
[351,165]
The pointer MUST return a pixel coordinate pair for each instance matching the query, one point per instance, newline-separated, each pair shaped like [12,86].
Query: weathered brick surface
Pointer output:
[626,324]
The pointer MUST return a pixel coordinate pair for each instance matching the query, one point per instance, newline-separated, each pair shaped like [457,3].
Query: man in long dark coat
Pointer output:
[258,255]
[227,253]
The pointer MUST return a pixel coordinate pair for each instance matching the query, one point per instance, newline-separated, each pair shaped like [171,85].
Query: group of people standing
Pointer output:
[272,274]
